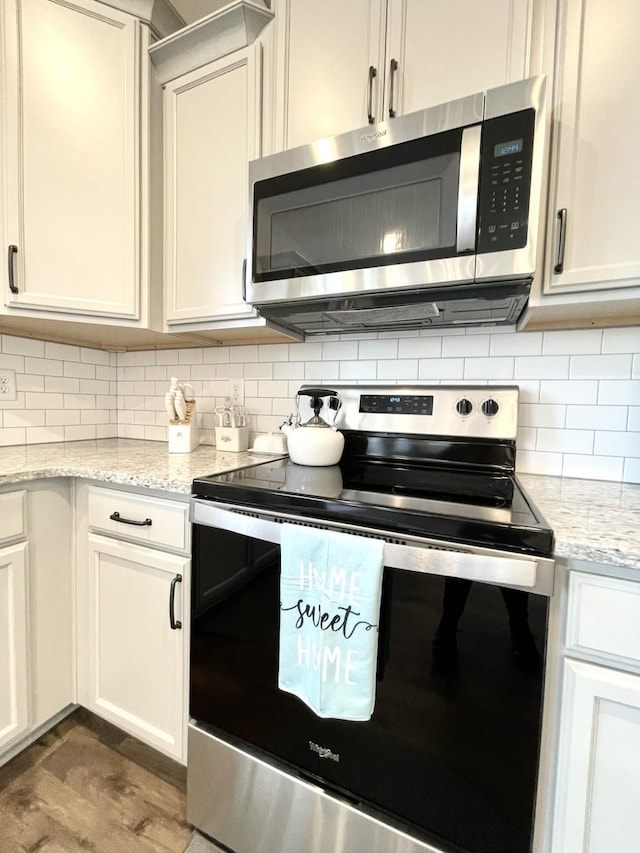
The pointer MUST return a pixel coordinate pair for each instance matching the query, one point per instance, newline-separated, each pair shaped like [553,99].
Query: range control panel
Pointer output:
[473,411]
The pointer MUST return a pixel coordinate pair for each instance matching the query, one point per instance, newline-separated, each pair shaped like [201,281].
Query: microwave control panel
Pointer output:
[505,181]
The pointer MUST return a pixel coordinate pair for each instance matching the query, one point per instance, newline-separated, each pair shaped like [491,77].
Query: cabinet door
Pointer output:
[323,55]
[596,169]
[137,660]
[598,785]
[14,715]
[72,167]
[211,132]
[448,50]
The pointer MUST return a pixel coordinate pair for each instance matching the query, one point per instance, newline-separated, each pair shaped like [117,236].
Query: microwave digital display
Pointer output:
[514,146]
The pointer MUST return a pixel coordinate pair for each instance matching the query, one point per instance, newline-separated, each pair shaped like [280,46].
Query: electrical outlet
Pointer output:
[7,385]
[236,392]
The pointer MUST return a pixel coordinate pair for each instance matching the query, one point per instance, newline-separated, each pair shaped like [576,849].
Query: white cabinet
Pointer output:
[76,161]
[212,130]
[339,65]
[211,74]
[133,606]
[598,779]
[37,626]
[592,267]
[14,697]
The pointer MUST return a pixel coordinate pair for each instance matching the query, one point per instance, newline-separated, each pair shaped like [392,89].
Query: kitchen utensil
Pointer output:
[224,414]
[169,405]
[315,442]
[180,405]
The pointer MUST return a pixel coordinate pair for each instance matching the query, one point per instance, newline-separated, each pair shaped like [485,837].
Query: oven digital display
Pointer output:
[397,404]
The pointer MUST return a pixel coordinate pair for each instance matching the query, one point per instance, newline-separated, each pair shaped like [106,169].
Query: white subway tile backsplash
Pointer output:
[287,370]
[273,352]
[534,415]
[467,346]
[340,350]
[577,342]
[537,462]
[542,367]
[597,417]
[43,366]
[375,349]
[617,444]
[579,390]
[590,467]
[626,339]
[517,344]
[404,370]
[499,368]
[582,392]
[22,346]
[565,440]
[631,471]
[416,348]
[619,392]
[358,371]
[437,369]
[600,367]
[320,371]
[61,384]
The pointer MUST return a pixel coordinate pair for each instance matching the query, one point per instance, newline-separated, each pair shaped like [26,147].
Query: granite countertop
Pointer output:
[593,520]
[125,461]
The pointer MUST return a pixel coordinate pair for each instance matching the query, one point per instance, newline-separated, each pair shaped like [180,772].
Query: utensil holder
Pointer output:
[233,439]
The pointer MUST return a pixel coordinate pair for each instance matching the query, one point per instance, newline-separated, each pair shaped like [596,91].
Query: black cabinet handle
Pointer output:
[13,250]
[370,116]
[562,236]
[393,67]
[115,516]
[175,626]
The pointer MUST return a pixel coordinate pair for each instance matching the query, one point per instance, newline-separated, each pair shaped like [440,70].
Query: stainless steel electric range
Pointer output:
[449,759]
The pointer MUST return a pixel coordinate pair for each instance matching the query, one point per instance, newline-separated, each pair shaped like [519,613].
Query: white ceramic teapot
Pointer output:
[315,442]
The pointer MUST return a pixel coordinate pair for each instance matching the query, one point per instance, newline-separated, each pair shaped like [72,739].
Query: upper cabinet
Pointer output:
[211,78]
[592,267]
[76,128]
[385,58]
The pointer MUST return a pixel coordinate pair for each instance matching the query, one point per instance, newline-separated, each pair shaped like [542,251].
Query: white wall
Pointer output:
[580,390]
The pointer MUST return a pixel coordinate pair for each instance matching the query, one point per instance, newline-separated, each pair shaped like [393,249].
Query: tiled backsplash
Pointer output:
[579,401]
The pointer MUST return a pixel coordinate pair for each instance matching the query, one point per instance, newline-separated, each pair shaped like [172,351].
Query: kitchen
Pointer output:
[578,387]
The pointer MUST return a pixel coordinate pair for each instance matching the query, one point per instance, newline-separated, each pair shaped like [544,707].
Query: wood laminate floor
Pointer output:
[86,787]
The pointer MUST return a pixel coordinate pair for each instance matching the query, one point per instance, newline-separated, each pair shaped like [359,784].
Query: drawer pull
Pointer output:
[175,625]
[115,516]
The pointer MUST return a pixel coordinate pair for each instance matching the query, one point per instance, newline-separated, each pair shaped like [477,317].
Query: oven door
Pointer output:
[450,754]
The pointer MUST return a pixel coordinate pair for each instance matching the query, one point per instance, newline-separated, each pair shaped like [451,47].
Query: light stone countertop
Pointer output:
[593,520]
[124,461]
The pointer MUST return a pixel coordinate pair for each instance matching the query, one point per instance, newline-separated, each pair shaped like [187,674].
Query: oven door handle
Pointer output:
[530,573]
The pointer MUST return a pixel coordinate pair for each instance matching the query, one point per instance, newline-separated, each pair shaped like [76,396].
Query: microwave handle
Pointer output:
[468,188]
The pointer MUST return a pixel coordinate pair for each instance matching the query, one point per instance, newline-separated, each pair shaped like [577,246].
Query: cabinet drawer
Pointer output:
[153,521]
[12,515]
[604,616]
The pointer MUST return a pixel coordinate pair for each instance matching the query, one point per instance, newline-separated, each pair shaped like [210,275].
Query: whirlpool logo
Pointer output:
[323,751]
[375,134]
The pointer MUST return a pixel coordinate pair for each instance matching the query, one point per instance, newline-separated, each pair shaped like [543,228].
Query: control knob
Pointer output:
[490,407]
[464,406]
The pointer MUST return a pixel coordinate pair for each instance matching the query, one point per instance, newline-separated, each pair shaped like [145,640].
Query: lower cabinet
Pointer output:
[14,696]
[598,778]
[137,666]
[133,614]
[37,625]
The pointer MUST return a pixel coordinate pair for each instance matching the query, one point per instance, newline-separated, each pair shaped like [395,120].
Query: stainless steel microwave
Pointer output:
[431,218]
